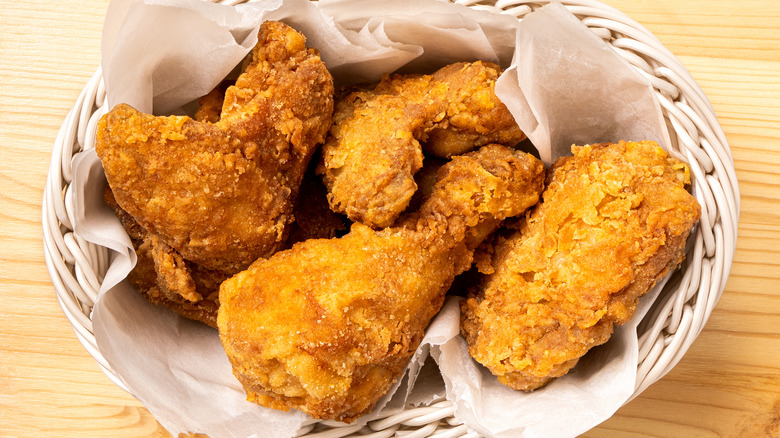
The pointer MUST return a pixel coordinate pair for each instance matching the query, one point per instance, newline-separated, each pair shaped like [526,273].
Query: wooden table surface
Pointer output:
[727,385]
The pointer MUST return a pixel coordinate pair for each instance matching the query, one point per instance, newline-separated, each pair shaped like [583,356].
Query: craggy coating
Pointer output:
[210,105]
[614,220]
[373,149]
[164,278]
[425,179]
[161,274]
[221,193]
[313,217]
[328,325]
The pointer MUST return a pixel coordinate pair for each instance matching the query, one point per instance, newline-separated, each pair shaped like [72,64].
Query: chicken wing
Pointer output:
[373,150]
[328,325]
[221,194]
[614,220]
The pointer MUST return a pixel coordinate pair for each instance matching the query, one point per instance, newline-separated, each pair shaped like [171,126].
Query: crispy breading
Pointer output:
[221,194]
[374,150]
[164,278]
[328,325]
[613,221]
[313,217]
[210,105]
[425,179]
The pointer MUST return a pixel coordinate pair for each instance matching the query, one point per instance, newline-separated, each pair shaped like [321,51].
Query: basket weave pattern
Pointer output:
[77,267]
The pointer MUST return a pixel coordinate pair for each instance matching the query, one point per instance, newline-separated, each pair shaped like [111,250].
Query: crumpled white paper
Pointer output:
[158,55]
[571,88]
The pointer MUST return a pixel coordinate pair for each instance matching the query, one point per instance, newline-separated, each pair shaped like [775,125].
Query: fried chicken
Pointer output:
[221,194]
[313,217]
[425,179]
[374,150]
[164,278]
[613,221]
[328,325]
[210,105]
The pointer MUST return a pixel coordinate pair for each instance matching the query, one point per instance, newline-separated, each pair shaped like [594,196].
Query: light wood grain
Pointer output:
[728,385]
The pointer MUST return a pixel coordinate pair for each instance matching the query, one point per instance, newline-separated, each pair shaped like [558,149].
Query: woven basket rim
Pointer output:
[666,331]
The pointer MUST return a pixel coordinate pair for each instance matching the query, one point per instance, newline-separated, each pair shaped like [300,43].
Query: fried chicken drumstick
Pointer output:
[369,166]
[328,325]
[614,220]
[221,194]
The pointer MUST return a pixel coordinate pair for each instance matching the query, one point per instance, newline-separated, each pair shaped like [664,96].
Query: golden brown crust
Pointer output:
[221,193]
[166,279]
[328,325]
[313,217]
[614,220]
[373,150]
[210,105]
[146,279]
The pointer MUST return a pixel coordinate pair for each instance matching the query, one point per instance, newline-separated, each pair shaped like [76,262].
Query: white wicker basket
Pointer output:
[678,316]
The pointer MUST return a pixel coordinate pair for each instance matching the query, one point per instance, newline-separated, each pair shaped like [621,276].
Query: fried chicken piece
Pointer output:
[210,105]
[221,194]
[613,221]
[313,217]
[161,274]
[425,179]
[164,278]
[373,150]
[195,296]
[328,325]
